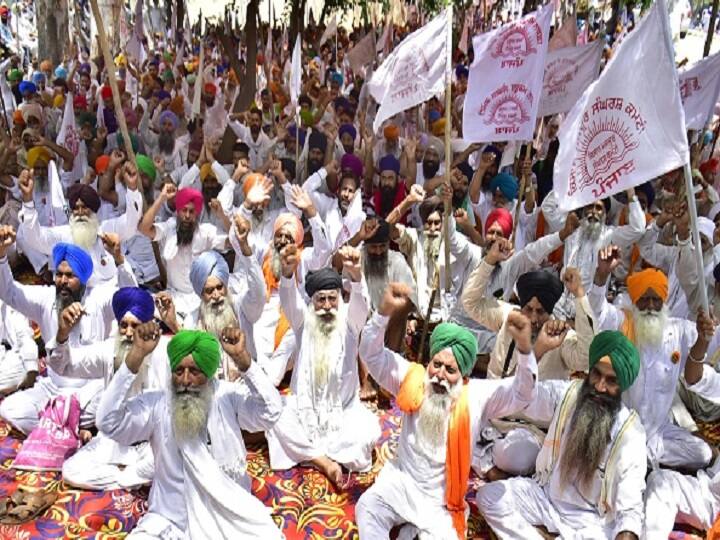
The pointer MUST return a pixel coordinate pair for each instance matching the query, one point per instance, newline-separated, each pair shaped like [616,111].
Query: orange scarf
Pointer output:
[635,253]
[628,326]
[556,257]
[457,463]
[272,283]
[714,532]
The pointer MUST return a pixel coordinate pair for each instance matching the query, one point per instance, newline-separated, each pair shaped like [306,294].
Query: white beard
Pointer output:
[325,337]
[190,411]
[432,249]
[122,348]
[215,318]
[84,230]
[591,229]
[649,326]
[434,413]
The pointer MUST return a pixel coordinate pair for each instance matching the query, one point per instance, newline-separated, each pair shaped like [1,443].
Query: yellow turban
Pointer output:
[438,128]
[640,282]
[58,101]
[205,171]
[38,155]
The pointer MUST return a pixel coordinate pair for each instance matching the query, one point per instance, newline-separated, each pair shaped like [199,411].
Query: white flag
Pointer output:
[330,30]
[363,53]
[566,35]
[568,72]
[68,137]
[296,72]
[197,90]
[629,126]
[464,43]
[135,47]
[699,89]
[414,72]
[506,80]
[58,205]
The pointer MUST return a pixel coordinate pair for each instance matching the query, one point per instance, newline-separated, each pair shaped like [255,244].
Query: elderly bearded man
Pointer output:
[591,470]
[103,463]
[84,229]
[425,485]
[665,344]
[44,304]
[201,488]
[323,421]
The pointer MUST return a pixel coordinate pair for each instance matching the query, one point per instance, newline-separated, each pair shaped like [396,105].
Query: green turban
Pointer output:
[459,340]
[121,141]
[623,355]
[203,347]
[15,75]
[146,166]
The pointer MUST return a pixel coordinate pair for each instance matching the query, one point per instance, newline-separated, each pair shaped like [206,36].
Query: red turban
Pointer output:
[210,88]
[502,217]
[106,92]
[711,166]
[80,102]
[101,163]
[186,196]
[286,219]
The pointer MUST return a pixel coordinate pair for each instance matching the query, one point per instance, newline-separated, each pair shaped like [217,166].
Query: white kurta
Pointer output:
[175,504]
[652,393]
[259,148]
[411,487]
[18,350]
[513,507]
[331,421]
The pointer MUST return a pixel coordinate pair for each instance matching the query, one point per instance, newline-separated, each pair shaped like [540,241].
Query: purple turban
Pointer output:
[353,163]
[389,163]
[169,116]
[349,129]
[133,300]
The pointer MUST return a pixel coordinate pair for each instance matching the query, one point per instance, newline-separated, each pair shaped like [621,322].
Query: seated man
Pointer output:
[201,488]
[18,351]
[591,470]
[323,420]
[103,463]
[424,486]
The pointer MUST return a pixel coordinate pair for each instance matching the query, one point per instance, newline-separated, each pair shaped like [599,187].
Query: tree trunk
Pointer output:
[297,18]
[613,21]
[181,19]
[711,27]
[52,29]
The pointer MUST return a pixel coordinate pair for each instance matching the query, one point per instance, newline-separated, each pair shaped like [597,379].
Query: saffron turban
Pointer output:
[502,217]
[349,129]
[706,227]
[438,127]
[134,300]
[208,264]
[251,180]
[544,286]
[389,163]
[102,163]
[177,105]
[459,340]
[18,118]
[203,347]
[624,357]
[287,219]
[146,166]
[325,279]
[507,184]
[38,155]
[46,65]
[205,171]
[391,132]
[27,86]
[350,162]
[189,196]
[169,116]
[640,282]
[80,262]
[84,193]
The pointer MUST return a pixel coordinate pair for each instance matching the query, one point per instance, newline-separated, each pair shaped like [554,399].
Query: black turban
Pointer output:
[325,279]
[382,235]
[84,193]
[545,286]
[317,140]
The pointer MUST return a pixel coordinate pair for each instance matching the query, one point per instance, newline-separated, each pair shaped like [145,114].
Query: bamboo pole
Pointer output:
[448,148]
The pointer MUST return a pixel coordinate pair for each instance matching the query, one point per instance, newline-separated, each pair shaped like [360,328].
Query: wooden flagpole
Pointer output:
[448,147]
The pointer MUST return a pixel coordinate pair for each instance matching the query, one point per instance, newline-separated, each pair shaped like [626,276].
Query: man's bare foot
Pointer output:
[367,390]
[331,469]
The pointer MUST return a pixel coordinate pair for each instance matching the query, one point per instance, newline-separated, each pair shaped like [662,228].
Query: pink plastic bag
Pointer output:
[55,439]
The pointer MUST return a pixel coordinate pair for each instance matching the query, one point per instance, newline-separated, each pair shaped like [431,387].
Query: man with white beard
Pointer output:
[103,463]
[665,345]
[590,473]
[581,247]
[424,486]
[323,420]
[84,229]
[201,488]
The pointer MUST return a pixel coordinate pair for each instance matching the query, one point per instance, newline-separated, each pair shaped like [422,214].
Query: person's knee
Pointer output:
[492,498]
[13,413]
[516,453]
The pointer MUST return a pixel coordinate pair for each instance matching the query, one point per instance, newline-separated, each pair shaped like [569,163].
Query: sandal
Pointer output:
[23,506]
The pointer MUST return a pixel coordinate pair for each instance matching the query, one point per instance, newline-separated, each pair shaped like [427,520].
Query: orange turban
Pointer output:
[205,171]
[286,219]
[102,163]
[251,180]
[45,65]
[438,127]
[391,132]
[18,118]
[640,282]
[177,105]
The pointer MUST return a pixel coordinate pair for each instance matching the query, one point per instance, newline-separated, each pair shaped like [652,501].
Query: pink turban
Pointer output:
[286,219]
[186,196]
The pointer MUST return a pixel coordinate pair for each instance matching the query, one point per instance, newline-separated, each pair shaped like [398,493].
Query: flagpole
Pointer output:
[448,148]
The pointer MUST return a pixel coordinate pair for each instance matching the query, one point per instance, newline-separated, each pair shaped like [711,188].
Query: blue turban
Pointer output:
[349,129]
[461,71]
[434,116]
[135,300]
[389,163]
[507,184]
[162,94]
[292,131]
[649,191]
[171,116]
[61,72]
[210,263]
[78,259]
[38,77]
[27,86]
[336,77]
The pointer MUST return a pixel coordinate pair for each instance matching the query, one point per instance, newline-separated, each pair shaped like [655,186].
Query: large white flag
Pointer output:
[414,71]
[68,137]
[296,72]
[568,72]
[134,47]
[699,89]
[330,30]
[58,205]
[629,126]
[565,36]
[506,80]
[363,53]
